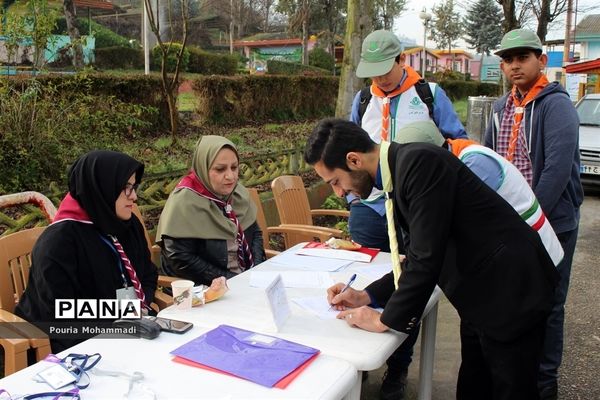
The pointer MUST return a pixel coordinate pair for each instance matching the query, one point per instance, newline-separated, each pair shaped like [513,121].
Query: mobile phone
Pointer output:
[171,325]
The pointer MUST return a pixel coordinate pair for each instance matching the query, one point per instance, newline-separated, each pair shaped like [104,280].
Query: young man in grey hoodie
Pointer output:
[536,127]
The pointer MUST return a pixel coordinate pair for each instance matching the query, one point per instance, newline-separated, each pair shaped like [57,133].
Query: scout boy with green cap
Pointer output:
[397,96]
[536,127]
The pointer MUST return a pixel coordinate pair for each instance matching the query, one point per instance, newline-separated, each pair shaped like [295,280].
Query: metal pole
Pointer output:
[146,39]
[424,57]
[567,44]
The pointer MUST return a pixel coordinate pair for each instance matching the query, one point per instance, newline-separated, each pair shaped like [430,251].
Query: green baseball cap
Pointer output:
[421,131]
[519,39]
[379,49]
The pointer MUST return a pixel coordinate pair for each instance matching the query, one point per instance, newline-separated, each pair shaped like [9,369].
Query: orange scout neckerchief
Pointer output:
[520,105]
[412,77]
[458,145]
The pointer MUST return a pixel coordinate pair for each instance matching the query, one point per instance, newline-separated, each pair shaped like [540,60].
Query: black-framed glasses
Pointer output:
[130,188]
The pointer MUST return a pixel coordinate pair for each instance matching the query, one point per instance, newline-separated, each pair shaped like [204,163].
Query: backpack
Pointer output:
[422,87]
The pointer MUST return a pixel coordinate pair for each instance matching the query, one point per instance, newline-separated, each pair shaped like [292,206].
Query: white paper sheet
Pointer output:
[374,271]
[309,263]
[317,305]
[292,279]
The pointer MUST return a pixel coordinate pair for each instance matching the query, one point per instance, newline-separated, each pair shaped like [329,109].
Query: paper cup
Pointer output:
[182,294]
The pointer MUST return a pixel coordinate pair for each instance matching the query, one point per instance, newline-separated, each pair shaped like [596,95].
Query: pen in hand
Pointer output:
[350,282]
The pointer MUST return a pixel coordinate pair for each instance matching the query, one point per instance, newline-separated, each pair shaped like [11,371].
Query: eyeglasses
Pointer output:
[129,188]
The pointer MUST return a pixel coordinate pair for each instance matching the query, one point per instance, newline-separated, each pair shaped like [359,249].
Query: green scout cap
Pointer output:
[421,131]
[379,49]
[519,39]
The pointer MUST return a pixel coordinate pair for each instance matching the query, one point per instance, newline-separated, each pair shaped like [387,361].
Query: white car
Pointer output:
[588,109]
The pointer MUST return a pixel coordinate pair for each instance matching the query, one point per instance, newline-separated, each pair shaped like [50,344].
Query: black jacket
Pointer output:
[202,260]
[465,238]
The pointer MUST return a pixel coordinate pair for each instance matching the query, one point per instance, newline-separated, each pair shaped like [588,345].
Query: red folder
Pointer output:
[317,249]
[282,384]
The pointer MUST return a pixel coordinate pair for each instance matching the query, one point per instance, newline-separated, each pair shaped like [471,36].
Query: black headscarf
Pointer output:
[96,180]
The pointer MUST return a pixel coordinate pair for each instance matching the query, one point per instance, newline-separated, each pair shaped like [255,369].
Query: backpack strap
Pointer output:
[365,98]
[426,95]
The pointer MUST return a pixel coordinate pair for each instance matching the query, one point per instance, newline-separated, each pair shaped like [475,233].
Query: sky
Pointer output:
[411,26]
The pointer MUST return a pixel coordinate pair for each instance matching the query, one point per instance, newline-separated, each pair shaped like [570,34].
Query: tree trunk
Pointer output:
[480,67]
[543,20]
[69,10]
[305,16]
[358,25]
[510,18]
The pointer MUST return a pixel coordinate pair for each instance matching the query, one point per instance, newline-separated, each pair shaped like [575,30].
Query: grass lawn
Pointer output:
[460,106]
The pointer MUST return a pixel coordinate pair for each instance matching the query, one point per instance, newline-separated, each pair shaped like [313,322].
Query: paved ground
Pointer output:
[580,373]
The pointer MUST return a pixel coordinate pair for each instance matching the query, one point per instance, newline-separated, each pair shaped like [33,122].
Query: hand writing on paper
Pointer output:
[349,298]
[365,318]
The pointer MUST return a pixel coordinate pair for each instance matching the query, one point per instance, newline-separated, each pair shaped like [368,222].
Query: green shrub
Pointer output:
[276,67]
[203,62]
[119,58]
[462,89]
[45,129]
[263,98]
[320,58]
[172,52]
[104,36]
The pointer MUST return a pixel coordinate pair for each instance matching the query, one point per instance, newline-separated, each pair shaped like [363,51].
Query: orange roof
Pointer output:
[267,43]
[100,4]
[455,51]
[419,49]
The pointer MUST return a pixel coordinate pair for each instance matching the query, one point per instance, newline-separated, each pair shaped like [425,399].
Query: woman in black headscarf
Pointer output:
[95,248]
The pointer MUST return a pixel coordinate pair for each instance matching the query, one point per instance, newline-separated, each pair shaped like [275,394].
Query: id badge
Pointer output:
[57,376]
[127,293]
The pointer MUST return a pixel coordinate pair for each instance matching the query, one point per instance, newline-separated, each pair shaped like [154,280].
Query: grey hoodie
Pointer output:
[552,131]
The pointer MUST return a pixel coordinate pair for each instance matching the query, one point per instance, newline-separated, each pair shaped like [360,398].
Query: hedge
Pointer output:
[119,58]
[262,98]
[461,89]
[144,90]
[203,62]
[276,67]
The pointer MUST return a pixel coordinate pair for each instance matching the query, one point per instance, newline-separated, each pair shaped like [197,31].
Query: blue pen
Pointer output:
[350,282]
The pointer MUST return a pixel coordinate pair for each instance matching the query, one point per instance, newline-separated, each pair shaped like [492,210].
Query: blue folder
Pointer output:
[253,356]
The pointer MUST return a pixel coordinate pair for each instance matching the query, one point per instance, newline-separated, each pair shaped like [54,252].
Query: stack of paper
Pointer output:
[292,279]
[309,263]
[266,360]
[316,249]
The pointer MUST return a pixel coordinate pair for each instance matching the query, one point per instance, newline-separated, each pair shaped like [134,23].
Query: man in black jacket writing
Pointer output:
[460,235]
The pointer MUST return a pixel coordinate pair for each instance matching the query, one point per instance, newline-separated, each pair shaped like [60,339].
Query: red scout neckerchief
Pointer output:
[71,210]
[520,105]
[412,77]
[191,181]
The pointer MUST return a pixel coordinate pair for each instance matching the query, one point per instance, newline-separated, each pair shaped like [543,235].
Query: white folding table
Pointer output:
[326,378]
[246,307]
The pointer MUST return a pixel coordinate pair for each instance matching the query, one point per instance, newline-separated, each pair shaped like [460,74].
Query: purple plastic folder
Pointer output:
[253,356]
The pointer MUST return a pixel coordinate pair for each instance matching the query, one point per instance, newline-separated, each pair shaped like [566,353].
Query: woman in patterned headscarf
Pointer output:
[208,227]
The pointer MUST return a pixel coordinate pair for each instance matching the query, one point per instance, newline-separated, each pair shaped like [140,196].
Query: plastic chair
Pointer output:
[292,234]
[161,299]
[293,206]
[15,262]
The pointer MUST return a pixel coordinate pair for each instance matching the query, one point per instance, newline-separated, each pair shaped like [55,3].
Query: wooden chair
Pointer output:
[292,234]
[15,262]
[293,206]
[161,299]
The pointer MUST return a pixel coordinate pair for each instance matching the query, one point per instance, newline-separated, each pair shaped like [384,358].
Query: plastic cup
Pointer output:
[182,294]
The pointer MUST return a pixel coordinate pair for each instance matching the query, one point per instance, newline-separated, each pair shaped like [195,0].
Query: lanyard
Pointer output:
[70,394]
[118,257]
[78,365]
